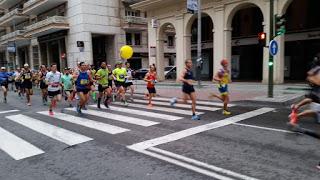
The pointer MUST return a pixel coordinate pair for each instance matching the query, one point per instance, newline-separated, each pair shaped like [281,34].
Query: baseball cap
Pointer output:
[3,68]
[119,62]
[26,65]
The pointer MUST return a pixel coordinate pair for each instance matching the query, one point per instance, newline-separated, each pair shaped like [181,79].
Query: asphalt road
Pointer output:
[139,143]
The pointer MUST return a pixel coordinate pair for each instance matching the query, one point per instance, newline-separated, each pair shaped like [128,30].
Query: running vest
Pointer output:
[188,76]
[82,81]
[151,77]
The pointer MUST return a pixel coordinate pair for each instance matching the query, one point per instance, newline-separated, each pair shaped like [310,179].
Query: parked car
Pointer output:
[170,72]
[140,73]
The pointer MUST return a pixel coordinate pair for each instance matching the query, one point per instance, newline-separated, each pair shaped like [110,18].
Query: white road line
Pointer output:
[116,117]
[142,113]
[264,128]
[195,130]
[68,137]
[87,123]
[9,111]
[198,102]
[157,108]
[206,108]
[184,165]
[16,147]
[201,164]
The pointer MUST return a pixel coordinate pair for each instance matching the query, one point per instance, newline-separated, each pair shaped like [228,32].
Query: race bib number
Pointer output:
[121,76]
[83,81]
[27,76]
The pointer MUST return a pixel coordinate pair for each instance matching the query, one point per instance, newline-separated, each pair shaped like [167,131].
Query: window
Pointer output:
[170,41]
[137,39]
[128,39]
[132,13]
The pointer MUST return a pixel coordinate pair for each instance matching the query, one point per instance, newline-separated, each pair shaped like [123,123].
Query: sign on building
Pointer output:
[154,23]
[192,6]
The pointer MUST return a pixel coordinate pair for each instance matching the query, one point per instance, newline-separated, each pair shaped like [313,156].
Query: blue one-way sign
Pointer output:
[273,47]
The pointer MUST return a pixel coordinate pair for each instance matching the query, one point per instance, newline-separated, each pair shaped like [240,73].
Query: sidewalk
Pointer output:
[239,91]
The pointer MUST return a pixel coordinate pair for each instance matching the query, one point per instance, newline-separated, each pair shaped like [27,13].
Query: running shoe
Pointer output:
[79,109]
[225,112]
[293,117]
[5,100]
[84,108]
[106,103]
[150,105]
[195,117]
[29,104]
[70,105]
[51,113]
[173,101]
[113,97]
[98,106]
[318,166]
[125,103]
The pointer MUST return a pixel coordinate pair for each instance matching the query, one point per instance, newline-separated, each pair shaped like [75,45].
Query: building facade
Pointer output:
[51,31]
[230,30]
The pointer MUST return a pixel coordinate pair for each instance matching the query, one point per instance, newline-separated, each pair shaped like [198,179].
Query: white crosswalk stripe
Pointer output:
[205,108]
[198,101]
[68,137]
[121,118]
[110,129]
[16,147]
[142,113]
[164,109]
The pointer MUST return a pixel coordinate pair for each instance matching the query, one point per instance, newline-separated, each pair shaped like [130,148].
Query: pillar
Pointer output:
[160,58]
[219,39]
[180,45]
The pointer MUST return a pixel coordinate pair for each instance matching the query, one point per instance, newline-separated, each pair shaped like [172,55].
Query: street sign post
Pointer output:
[273,47]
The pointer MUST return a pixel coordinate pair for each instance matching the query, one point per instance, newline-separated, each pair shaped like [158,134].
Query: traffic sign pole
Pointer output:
[270,64]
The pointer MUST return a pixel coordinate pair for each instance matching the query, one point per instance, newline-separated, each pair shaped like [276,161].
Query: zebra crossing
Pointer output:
[136,114]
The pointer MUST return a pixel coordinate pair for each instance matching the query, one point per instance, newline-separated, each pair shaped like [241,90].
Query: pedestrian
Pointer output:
[129,80]
[67,85]
[27,76]
[102,77]
[188,90]
[151,79]
[53,80]
[119,74]
[4,81]
[17,81]
[43,85]
[83,82]
[223,79]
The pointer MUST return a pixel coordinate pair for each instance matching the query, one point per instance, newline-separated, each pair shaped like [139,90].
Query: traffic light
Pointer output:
[280,24]
[262,39]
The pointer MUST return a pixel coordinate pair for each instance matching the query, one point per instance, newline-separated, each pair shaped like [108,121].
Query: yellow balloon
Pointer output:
[126,52]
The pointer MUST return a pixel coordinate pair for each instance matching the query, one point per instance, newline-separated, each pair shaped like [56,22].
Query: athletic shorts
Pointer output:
[43,85]
[188,89]
[119,84]
[18,85]
[223,89]
[152,90]
[128,84]
[52,94]
[4,84]
[84,91]
[102,88]
[110,83]
[27,85]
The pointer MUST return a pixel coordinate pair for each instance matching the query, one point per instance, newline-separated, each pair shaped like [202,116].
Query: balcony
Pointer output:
[6,4]
[47,26]
[140,48]
[35,7]
[17,36]
[134,23]
[13,17]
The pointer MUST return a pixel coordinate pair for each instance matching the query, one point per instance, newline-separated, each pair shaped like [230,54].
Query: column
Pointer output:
[180,45]
[48,54]
[160,58]
[152,42]
[279,61]
[30,57]
[219,40]
[60,60]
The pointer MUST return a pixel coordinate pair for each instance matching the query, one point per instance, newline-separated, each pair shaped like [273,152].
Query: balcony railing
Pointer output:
[46,22]
[30,3]
[135,20]
[12,35]
[14,12]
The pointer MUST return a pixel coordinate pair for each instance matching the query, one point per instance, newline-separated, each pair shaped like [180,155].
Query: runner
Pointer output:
[120,73]
[43,85]
[67,84]
[128,83]
[110,77]
[223,78]
[17,81]
[102,77]
[4,81]
[93,92]
[83,80]
[27,82]
[53,80]
[151,79]
[187,88]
